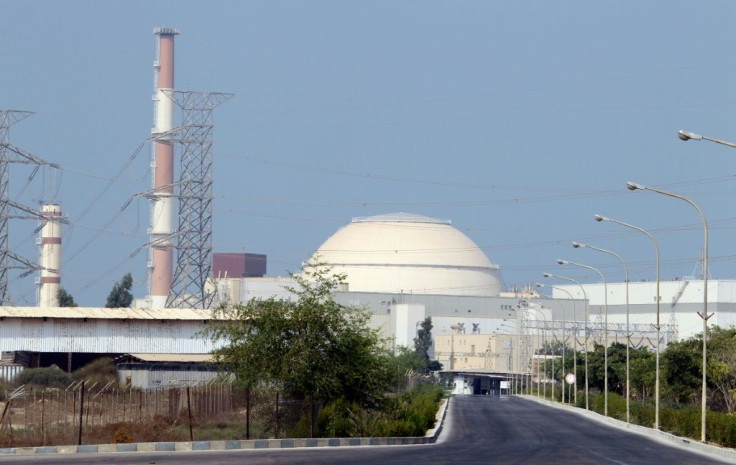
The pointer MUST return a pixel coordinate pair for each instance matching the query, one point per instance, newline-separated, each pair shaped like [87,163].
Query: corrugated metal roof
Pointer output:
[107,313]
[178,358]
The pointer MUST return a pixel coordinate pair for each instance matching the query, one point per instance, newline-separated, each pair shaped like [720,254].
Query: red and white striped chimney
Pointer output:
[162,204]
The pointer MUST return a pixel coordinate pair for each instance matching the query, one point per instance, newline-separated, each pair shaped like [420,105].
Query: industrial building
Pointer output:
[402,267]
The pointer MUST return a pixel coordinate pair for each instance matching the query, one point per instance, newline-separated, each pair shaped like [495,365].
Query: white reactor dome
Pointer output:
[406,253]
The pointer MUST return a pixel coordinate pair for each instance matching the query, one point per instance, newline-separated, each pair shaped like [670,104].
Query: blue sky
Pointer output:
[517,120]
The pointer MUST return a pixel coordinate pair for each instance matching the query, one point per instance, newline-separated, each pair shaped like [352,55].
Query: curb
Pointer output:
[429,438]
[662,436]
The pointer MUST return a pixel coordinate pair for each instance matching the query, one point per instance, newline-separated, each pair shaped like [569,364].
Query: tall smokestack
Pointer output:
[162,204]
[50,256]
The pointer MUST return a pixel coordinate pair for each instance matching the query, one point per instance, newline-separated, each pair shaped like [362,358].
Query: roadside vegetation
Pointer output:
[341,378]
[680,383]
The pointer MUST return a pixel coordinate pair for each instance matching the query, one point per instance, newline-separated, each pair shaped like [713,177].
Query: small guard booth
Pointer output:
[480,384]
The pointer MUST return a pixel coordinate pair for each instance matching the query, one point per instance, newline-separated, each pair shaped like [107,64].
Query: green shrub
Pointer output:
[721,428]
[340,418]
[100,371]
[122,437]
[51,376]
[410,414]
[398,428]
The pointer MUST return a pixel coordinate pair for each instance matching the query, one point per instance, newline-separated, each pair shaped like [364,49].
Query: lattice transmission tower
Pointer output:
[9,209]
[194,234]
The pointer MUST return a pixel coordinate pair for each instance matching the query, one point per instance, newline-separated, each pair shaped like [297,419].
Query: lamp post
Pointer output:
[541,341]
[634,186]
[605,328]
[657,326]
[452,347]
[577,245]
[687,135]
[585,336]
[535,370]
[564,339]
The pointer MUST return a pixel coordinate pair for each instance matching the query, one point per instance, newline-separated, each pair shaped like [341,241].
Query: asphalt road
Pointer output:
[484,430]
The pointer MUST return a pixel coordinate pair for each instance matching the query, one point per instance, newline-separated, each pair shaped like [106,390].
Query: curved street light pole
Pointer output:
[585,337]
[634,186]
[605,328]
[541,339]
[577,245]
[564,339]
[658,297]
[687,135]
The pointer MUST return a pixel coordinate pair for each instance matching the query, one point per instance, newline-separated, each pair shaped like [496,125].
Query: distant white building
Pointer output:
[680,302]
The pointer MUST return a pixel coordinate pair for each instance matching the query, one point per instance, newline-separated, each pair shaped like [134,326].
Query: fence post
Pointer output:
[277,414]
[25,407]
[314,420]
[189,408]
[43,418]
[81,413]
[247,413]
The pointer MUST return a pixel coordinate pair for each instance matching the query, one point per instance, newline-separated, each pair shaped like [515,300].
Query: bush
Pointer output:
[680,420]
[398,428]
[51,376]
[122,437]
[410,414]
[100,371]
[419,405]
[342,418]
[721,428]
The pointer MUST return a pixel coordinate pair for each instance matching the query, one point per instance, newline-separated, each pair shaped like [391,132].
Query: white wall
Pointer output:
[407,319]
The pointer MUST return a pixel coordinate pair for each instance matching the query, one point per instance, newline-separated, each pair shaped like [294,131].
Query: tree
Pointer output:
[556,348]
[722,367]
[120,295]
[310,348]
[65,299]
[401,365]
[642,367]
[681,370]
[423,342]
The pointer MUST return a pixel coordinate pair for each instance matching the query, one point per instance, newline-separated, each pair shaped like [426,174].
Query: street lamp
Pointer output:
[585,336]
[634,186]
[541,341]
[687,135]
[454,329]
[657,326]
[605,328]
[564,339]
[578,245]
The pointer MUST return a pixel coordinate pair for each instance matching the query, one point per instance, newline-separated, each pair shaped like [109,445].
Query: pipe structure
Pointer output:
[162,172]
[48,290]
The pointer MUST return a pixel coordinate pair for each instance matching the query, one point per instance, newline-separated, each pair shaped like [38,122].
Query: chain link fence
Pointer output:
[92,414]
